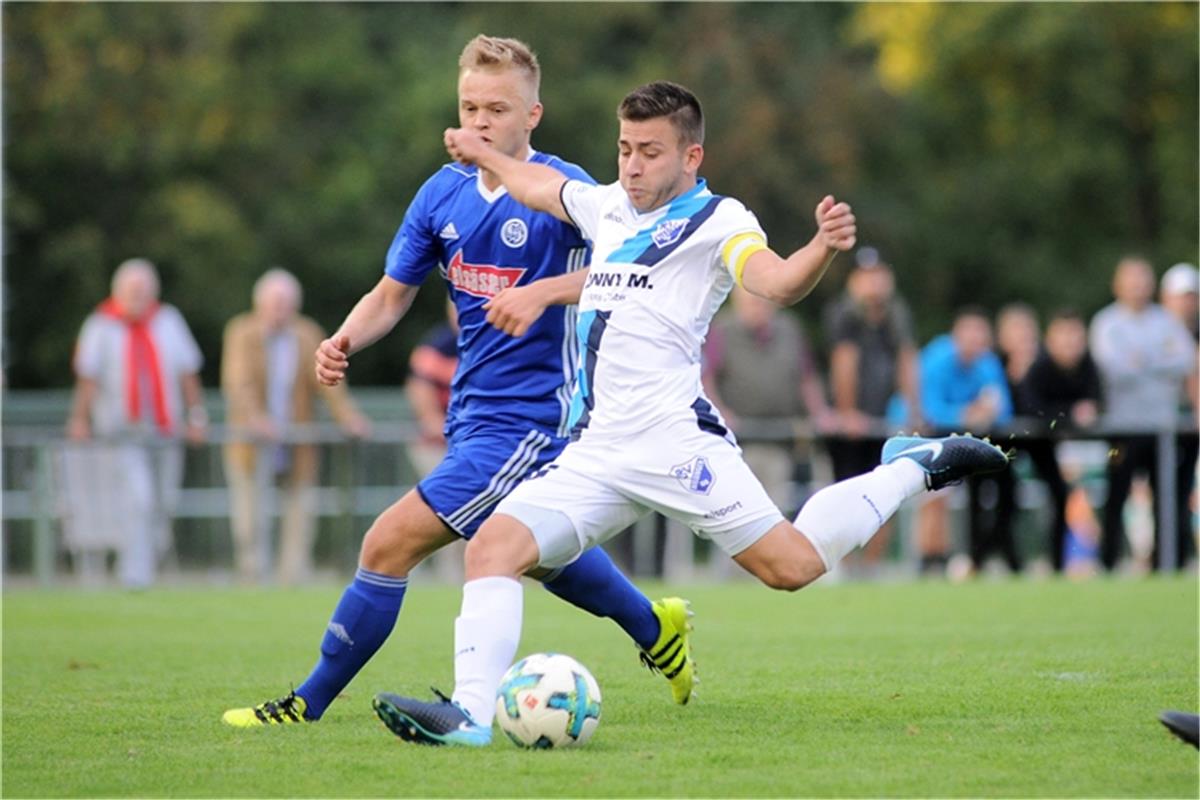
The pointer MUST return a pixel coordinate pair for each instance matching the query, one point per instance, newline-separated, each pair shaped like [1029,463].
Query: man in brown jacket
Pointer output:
[269,388]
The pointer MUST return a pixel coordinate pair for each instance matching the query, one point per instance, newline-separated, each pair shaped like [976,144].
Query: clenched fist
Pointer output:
[835,224]
[463,145]
[333,359]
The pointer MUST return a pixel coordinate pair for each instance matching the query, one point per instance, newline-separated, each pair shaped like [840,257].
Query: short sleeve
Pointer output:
[185,351]
[743,237]
[89,351]
[414,249]
[582,202]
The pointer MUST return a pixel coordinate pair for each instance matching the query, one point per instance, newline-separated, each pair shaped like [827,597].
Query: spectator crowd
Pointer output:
[1123,377]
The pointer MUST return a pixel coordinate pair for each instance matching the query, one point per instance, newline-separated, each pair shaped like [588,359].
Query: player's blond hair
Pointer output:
[494,54]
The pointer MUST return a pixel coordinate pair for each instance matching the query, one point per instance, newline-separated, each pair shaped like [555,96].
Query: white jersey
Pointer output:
[656,281]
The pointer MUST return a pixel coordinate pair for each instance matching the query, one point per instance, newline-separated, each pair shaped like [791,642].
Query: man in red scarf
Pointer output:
[137,393]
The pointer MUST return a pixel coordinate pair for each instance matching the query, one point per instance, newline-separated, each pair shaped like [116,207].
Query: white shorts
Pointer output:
[599,486]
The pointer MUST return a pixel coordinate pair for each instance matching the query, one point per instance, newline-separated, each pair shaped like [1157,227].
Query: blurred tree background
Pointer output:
[993,152]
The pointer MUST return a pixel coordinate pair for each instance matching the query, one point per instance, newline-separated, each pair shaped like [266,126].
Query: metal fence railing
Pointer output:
[58,495]
[48,491]
[1021,430]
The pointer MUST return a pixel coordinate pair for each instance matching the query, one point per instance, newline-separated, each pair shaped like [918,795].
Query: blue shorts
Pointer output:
[480,469]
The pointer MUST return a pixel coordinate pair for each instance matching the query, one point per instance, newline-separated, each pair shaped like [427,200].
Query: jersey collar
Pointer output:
[492,196]
[700,187]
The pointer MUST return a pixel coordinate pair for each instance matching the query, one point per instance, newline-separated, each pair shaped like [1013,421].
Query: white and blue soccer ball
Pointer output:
[548,700]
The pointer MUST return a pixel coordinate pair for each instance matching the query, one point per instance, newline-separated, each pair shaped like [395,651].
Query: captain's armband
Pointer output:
[738,250]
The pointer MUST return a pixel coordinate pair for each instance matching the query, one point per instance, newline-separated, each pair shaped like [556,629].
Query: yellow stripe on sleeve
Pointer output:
[738,250]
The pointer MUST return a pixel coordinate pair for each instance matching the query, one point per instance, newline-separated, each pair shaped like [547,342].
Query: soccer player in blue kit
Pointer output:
[510,396]
[666,252]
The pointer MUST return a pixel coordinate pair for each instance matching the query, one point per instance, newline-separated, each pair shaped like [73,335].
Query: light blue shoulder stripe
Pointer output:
[681,207]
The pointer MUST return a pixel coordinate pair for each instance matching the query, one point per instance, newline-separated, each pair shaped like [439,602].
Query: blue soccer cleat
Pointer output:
[442,722]
[947,460]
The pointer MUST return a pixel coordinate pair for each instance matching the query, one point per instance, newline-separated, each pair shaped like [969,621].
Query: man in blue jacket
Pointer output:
[963,388]
[962,381]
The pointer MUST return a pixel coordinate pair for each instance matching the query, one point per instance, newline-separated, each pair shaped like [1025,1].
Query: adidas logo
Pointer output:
[339,630]
[449,233]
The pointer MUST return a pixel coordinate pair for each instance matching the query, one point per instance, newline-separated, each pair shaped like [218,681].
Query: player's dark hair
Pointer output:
[666,99]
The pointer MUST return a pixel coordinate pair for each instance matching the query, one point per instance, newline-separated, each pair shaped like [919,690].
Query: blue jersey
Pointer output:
[483,242]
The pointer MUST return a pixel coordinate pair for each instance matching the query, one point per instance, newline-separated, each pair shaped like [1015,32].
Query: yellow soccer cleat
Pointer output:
[671,655]
[284,711]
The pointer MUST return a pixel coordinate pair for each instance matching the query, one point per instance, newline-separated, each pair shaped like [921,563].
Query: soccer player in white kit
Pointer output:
[666,253]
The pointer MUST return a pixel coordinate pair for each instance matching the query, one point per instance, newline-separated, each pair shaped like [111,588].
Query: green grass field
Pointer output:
[990,689]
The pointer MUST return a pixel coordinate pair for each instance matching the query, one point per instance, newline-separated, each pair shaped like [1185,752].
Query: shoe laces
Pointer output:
[444,699]
[648,662]
[284,705]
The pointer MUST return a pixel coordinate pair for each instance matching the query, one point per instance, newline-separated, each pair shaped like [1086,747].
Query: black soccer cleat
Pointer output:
[946,460]
[443,722]
[1185,726]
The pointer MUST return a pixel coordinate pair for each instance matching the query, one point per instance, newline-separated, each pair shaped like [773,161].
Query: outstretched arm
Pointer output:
[787,280]
[534,185]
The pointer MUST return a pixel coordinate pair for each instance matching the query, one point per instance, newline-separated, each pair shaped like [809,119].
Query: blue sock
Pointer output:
[363,619]
[594,583]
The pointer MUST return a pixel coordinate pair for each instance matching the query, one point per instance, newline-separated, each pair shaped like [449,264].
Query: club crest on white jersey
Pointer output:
[668,232]
[696,475]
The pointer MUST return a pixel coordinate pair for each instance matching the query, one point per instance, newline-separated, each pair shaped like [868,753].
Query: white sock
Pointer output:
[486,635]
[846,515]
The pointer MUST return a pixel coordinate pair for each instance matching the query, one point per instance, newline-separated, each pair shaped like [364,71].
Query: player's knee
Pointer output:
[788,576]
[782,580]
[485,556]
[496,550]
[379,551]
[391,548]
[783,559]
